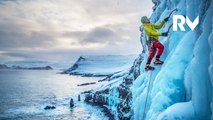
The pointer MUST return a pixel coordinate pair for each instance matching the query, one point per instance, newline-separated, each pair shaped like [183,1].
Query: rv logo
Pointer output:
[184,20]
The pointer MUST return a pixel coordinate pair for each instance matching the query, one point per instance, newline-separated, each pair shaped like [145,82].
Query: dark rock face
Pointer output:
[79,97]
[75,66]
[97,98]
[88,98]
[135,69]
[84,84]
[32,68]
[40,68]
[49,107]
[123,93]
[101,98]
[124,107]
[84,74]
[71,103]
[3,66]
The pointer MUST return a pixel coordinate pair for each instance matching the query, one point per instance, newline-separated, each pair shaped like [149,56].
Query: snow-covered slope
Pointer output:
[101,65]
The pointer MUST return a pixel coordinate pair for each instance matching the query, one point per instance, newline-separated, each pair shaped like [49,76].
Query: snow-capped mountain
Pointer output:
[102,65]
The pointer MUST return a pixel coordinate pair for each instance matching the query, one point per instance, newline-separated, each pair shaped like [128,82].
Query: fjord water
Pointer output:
[25,93]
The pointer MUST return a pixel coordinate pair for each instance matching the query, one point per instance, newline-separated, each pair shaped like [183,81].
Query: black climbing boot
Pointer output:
[149,68]
[158,61]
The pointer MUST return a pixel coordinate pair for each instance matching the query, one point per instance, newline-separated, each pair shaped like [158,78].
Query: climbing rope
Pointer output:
[147,96]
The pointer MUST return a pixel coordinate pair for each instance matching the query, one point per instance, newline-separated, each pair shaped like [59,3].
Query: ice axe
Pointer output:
[169,17]
[172,12]
[169,28]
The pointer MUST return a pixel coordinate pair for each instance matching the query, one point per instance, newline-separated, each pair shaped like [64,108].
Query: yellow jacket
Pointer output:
[151,30]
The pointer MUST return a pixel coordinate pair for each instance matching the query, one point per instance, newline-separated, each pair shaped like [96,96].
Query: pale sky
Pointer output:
[64,29]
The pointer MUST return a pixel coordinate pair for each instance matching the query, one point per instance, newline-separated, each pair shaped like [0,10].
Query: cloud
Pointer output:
[13,36]
[99,35]
[74,34]
[41,28]
[17,54]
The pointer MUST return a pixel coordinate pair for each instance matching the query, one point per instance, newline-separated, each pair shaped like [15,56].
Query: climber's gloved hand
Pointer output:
[166,19]
[165,34]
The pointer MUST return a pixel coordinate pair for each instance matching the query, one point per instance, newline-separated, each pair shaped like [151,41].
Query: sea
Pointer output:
[25,93]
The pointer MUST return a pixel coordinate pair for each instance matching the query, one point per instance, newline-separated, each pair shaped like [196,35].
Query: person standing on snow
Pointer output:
[153,42]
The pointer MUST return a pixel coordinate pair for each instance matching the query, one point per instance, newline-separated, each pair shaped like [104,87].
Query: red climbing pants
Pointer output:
[156,47]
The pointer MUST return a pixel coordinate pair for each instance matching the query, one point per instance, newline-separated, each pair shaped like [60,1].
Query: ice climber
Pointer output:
[153,43]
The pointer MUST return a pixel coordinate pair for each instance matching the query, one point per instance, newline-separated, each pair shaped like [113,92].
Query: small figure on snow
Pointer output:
[153,43]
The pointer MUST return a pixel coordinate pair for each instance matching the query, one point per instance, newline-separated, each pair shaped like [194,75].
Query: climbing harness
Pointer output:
[147,96]
[149,43]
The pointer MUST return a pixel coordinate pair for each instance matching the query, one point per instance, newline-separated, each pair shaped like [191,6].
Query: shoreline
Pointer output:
[104,109]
